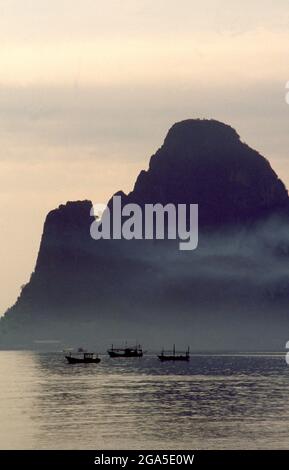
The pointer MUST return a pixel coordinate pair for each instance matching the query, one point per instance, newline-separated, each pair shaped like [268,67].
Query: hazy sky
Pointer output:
[89,88]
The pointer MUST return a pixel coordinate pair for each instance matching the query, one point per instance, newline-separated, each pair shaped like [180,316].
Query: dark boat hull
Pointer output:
[116,354]
[77,360]
[174,358]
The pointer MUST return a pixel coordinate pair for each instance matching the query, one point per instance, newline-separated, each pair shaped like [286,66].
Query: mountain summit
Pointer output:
[205,162]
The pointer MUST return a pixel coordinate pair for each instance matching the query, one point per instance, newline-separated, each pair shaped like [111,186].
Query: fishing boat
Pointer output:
[174,355]
[135,351]
[82,357]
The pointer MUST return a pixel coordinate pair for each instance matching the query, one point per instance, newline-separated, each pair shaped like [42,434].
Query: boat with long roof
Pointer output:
[127,351]
[174,355]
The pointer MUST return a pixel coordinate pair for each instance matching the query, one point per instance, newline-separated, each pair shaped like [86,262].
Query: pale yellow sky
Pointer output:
[88,90]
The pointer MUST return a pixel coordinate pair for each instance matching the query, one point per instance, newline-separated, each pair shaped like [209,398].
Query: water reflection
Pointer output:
[211,402]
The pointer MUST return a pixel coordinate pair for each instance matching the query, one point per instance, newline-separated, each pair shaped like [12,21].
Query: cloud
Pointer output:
[39,21]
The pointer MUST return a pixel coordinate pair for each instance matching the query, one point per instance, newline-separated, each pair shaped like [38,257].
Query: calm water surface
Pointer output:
[215,402]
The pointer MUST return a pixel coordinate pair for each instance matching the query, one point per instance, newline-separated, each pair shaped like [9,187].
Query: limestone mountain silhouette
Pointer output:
[234,286]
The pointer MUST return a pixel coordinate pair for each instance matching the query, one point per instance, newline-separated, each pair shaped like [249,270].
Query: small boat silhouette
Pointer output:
[82,358]
[173,356]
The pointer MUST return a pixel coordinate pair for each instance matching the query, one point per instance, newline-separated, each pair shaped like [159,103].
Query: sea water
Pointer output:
[213,402]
